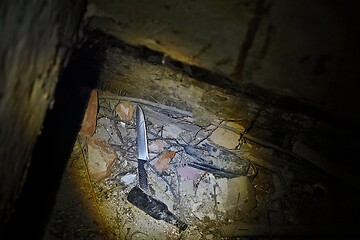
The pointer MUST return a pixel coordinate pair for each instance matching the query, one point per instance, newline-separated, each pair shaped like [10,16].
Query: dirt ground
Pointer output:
[273,181]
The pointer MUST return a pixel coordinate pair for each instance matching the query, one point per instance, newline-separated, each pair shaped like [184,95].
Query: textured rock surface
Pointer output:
[100,159]
[125,111]
[35,39]
[193,32]
[89,122]
[242,195]
[227,135]
[162,163]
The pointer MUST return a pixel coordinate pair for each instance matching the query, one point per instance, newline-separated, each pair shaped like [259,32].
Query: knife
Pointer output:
[138,196]
[143,154]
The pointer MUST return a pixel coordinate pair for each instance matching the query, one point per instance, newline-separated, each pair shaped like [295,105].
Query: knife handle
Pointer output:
[143,178]
[154,207]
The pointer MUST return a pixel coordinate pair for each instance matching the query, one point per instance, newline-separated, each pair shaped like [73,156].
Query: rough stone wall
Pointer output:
[36,37]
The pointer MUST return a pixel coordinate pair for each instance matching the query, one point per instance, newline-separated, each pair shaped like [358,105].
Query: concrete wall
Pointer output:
[302,49]
[36,37]
[307,49]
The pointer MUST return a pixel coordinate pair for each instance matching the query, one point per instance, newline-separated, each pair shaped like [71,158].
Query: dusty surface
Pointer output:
[164,27]
[282,193]
[305,50]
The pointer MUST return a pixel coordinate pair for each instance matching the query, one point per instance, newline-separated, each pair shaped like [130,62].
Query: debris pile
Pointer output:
[190,169]
[204,177]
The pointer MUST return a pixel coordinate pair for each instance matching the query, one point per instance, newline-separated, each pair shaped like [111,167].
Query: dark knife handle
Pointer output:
[154,207]
[143,177]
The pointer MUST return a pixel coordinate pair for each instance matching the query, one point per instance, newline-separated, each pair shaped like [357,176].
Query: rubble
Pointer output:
[162,163]
[100,159]
[156,146]
[227,135]
[189,173]
[125,111]
[170,172]
[88,125]
[128,179]
[195,172]
[242,197]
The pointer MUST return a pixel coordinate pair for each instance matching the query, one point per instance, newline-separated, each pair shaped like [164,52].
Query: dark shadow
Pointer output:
[54,146]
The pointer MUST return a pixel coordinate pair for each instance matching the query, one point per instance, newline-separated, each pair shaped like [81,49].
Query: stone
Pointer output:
[171,131]
[242,195]
[189,173]
[162,163]
[128,179]
[125,111]
[235,126]
[227,136]
[221,194]
[88,124]
[187,188]
[204,198]
[209,237]
[156,146]
[101,158]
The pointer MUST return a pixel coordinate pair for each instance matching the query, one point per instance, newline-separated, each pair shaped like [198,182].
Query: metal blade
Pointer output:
[143,153]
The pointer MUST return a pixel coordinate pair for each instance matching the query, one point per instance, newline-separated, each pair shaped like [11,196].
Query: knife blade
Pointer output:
[143,153]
